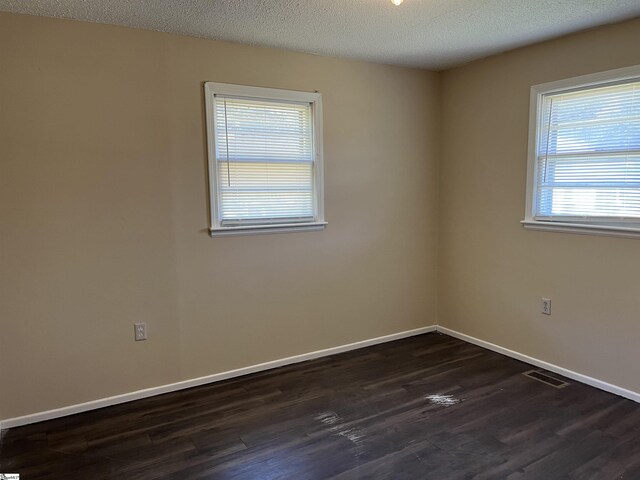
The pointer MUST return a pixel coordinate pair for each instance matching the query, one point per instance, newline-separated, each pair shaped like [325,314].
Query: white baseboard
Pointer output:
[594,382]
[149,392]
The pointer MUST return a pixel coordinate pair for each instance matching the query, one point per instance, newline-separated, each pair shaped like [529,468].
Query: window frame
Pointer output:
[211,89]
[584,82]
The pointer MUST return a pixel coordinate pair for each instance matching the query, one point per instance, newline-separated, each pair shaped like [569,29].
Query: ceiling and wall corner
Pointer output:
[431,34]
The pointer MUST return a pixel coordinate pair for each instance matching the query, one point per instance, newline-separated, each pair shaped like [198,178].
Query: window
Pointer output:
[265,160]
[584,155]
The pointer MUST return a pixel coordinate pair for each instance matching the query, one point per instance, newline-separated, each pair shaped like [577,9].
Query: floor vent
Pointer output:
[545,378]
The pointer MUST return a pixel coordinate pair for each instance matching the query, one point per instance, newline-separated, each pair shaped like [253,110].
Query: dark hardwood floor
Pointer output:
[427,407]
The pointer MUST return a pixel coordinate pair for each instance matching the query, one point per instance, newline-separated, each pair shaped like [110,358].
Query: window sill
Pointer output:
[582,229]
[266,229]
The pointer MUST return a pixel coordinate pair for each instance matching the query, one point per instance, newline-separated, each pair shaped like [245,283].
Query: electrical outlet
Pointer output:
[545,306]
[140,331]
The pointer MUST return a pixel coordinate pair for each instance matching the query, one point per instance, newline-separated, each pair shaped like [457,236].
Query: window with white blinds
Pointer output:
[265,159]
[587,152]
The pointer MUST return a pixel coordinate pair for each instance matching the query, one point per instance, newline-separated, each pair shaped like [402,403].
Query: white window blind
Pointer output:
[264,154]
[588,155]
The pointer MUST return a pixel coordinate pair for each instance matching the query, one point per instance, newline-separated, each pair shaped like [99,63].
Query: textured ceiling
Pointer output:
[433,34]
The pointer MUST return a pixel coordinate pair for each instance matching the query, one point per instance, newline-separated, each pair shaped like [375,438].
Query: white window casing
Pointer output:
[583,173]
[265,160]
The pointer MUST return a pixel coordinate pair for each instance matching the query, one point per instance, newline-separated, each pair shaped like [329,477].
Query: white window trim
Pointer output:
[211,89]
[535,109]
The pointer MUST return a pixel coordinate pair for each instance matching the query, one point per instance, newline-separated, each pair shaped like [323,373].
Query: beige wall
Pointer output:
[492,272]
[103,213]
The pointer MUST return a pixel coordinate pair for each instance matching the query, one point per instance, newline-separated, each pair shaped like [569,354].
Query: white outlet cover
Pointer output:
[545,306]
[140,331]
